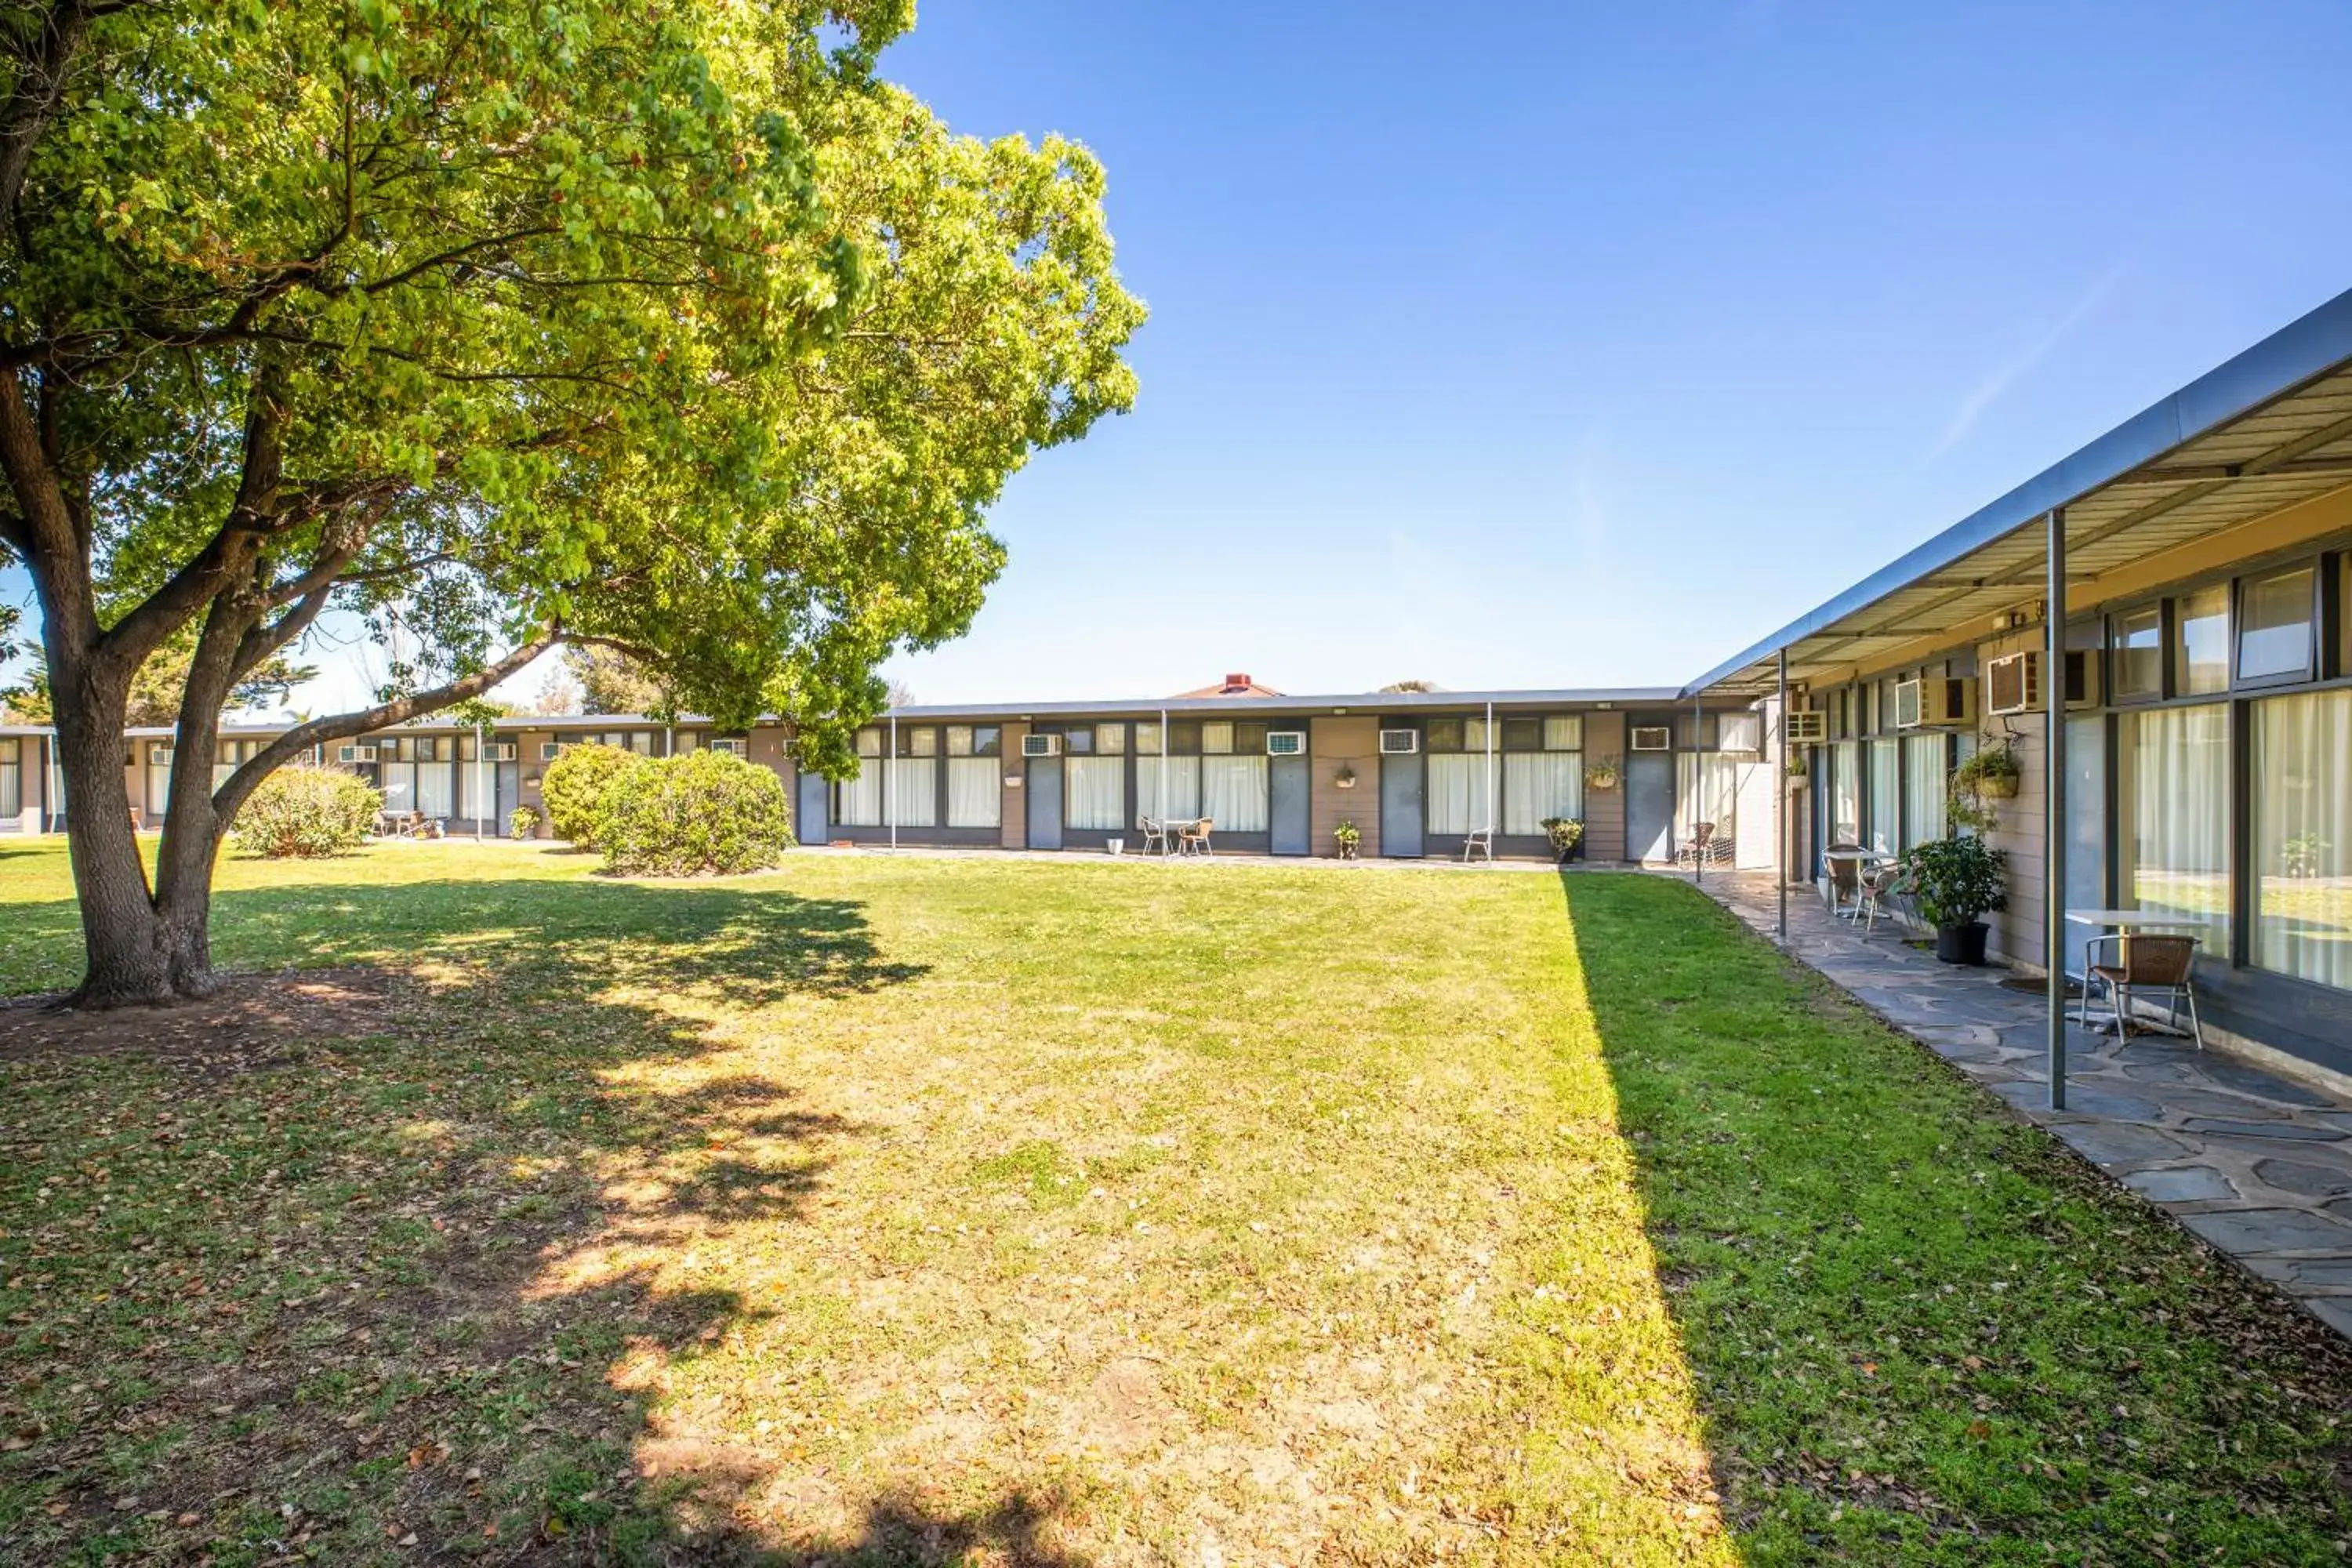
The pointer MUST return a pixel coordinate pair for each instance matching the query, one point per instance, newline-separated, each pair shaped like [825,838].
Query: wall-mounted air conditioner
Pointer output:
[2012,684]
[734,745]
[1041,745]
[1652,737]
[550,750]
[1808,727]
[160,755]
[1399,742]
[499,751]
[355,753]
[1934,703]
[1285,743]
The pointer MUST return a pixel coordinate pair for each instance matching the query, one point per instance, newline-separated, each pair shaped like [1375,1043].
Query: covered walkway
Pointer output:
[2259,1166]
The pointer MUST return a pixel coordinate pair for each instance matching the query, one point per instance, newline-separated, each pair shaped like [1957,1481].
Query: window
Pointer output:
[1168,788]
[1443,735]
[1564,734]
[1538,785]
[858,800]
[2135,649]
[1232,789]
[1094,792]
[1110,740]
[1844,826]
[974,798]
[1458,792]
[2303,836]
[918,740]
[1739,732]
[910,790]
[2175,799]
[1216,739]
[1078,741]
[1708,789]
[12,781]
[1522,735]
[2274,630]
[1882,828]
[1923,783]
[2200,642]
[1147,738]
[975,741]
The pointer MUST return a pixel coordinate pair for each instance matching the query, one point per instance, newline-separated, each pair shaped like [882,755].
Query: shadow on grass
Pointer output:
[1916,1327]
[420,1286]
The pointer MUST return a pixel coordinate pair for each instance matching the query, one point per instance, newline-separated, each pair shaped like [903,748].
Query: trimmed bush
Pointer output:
[705,811]
[578,791]
[524,823]
[307,811]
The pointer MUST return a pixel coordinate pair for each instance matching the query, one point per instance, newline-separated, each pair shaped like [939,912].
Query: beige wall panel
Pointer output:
[1353,741]
[1604,809]
[1012,828]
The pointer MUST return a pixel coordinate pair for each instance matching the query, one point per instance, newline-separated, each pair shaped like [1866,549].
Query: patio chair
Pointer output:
[1193,838]
[1698,849]
[1478,839]
[1878,885]
[1155,834]
[2147,963]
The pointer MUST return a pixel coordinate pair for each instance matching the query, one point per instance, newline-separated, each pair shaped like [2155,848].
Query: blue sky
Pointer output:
[1582,344]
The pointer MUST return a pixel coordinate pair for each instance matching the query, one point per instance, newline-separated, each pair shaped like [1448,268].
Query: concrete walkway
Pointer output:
[2259,1166]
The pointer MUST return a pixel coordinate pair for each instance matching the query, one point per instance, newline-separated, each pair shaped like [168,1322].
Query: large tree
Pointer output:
[663,326]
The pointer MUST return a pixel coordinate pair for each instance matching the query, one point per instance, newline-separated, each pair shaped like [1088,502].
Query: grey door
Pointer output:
[1286,788]
[510,796]
[1401,805]
[1044,802]
[1650,807]
[815,791]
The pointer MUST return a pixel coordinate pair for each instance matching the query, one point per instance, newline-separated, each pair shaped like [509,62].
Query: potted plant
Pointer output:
[1347,835]
[1567,836]
[1346,777]
[1601,773]
[524,823]
[1800,771]
[1954,881]
[1991,773]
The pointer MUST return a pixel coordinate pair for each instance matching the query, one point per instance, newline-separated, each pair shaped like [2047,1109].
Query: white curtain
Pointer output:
[2303,836]
[1095,791]
[433,789]
[1925,782]
[1884,800]
[398,781]
[1537,784]
[1232,792]
[973,798]
[1845,792]
[158,789]
[918,800]
[1708,792]
[468,806]
[2179,797]
[1457,792]
[12,784]
[857,802]
[1184,801]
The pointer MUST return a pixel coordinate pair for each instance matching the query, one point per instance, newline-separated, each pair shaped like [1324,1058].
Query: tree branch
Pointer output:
[341,726]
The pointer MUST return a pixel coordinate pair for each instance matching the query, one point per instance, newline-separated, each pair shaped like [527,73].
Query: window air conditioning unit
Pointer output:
[1810,727]
[1929,704]
[733,746]
[1399,742]
[1652,737]
[161,756]
[2012,684]
[355,753]
[1285,743]
[1041,745]
[550,750]
[499,751]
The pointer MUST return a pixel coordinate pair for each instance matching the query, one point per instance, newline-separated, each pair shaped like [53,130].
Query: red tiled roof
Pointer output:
[1238,685]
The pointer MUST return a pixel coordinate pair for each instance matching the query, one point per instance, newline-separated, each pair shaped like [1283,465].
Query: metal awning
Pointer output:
[2270,428]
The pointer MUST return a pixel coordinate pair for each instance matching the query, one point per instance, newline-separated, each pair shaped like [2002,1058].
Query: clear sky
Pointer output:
[1583,344]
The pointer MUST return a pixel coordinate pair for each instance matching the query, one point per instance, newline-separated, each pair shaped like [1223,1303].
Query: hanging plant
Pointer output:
[1990,774]
[1601,773]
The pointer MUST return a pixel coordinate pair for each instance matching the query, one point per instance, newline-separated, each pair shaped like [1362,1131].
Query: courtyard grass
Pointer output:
[924,1209]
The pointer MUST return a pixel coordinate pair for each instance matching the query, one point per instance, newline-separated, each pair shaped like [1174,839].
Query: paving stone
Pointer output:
[2191,1184]
[2289,1131]
[2103,1144]
[2336,1273]
[2305,1179]
[2271,1230]
[2336,1312]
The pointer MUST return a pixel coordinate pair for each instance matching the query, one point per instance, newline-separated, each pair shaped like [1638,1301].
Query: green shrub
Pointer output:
[1954,879]
[578,791]
[524,822]
[308,811]
[705,811]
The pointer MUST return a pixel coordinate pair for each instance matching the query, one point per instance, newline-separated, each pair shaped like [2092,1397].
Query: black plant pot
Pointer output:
[1962,945]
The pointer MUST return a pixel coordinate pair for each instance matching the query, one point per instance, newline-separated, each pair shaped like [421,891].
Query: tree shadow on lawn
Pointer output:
[413,1292]
[1915,1326]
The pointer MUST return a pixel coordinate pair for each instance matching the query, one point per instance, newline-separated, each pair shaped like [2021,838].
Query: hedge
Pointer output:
[578,791]
[704,811]
[307,811]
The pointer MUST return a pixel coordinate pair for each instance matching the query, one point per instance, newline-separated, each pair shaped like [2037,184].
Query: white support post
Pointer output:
[890,780]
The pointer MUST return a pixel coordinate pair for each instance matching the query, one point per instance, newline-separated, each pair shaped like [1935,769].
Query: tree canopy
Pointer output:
[666,327]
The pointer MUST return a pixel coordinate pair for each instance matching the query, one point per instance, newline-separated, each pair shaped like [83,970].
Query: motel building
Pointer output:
[2178,591]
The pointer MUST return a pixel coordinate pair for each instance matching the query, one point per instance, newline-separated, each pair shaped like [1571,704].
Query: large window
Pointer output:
[1094,776]
[1233,776]
[1883,806]
[911,792]
[2274,632]
[975,753]
[2302,835]
[857,801]
[435,757]
[1925,783]
[1543,772]
[2135,652]
[1459,791]
[1168,787]
[12,782]
[2200,642]
[2174,792]
[1707,791]
[1845,824]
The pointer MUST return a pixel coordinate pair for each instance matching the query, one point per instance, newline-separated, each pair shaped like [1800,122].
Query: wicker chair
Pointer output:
[1193,838]
[1155,834]
[2148,963]
[1846,879]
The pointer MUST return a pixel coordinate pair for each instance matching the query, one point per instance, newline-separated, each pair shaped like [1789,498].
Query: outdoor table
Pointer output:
[1864,860]
[2124,921]
[1173,828]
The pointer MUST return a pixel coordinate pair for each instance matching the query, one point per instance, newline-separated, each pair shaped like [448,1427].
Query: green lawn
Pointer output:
[1010,1211]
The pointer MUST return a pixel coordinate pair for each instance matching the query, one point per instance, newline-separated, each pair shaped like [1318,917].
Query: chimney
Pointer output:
[1237,683]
